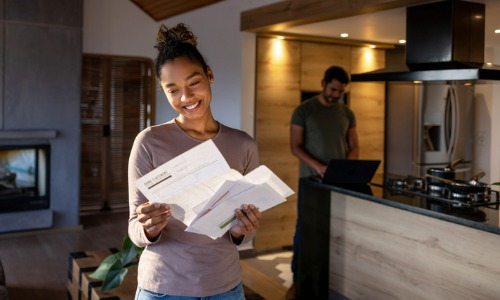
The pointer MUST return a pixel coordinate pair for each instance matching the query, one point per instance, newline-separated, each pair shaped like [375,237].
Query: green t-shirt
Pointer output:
[325,131]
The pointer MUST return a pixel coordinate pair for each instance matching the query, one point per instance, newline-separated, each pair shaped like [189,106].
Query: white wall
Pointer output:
[121,28]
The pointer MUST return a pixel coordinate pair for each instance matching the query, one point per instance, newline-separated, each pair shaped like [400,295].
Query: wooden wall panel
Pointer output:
[379,252]
[316,58]
[368,103]
[284,69]
[367,100]
[277,94]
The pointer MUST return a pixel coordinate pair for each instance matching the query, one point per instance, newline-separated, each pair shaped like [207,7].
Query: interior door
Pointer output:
[117,101]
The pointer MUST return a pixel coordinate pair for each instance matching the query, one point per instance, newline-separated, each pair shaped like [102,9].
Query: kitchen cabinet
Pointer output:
[383,246]
[286,70]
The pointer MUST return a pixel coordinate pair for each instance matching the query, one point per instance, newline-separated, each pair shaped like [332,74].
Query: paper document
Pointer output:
[204,192]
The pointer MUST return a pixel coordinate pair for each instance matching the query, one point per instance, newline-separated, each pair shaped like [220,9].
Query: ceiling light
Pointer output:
[497,30]
[372,46]
[344,35]
[402,41]
[280,37]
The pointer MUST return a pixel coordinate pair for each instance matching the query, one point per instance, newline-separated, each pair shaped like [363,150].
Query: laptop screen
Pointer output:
[351,171]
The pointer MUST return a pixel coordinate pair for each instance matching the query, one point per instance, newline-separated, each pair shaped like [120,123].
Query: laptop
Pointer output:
[350,171]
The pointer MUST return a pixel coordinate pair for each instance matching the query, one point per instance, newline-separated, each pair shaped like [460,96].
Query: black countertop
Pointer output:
[484,218]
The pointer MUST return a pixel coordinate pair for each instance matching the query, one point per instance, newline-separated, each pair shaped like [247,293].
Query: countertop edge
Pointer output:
[406,207]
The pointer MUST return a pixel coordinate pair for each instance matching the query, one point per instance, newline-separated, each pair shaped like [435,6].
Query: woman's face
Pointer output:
[187,87]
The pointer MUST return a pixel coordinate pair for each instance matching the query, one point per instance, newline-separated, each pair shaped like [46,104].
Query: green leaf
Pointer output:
[115,276]
[495,183]
[105,266]
[113,268]
[129,251]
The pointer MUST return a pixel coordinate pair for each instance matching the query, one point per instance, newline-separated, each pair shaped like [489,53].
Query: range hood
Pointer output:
[444,41]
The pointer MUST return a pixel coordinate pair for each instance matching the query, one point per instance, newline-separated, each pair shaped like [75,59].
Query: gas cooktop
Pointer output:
[417,186]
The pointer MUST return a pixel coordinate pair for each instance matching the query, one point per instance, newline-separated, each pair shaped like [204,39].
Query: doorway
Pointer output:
[117,103]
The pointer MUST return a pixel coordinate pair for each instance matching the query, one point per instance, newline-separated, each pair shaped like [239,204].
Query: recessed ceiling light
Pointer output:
[344,35]
[372,46]
[280,37]
[497,30]
[402,41]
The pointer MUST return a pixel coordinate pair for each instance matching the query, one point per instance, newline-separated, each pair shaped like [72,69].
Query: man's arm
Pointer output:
[297,148]
[352,143]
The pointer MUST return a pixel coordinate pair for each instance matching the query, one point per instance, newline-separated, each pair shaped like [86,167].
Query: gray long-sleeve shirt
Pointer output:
[179,262]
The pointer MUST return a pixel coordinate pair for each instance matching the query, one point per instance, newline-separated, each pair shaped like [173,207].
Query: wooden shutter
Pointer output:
[117,103]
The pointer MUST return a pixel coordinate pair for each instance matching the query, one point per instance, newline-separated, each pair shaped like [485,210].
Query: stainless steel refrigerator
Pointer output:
[429,125]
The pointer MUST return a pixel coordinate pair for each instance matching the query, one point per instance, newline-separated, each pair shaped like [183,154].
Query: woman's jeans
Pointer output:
[236,293]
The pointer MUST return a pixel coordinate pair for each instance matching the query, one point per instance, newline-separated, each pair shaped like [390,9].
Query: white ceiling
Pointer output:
[389,26]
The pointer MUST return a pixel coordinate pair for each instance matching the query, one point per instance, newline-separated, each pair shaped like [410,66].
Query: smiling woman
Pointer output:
[176,262]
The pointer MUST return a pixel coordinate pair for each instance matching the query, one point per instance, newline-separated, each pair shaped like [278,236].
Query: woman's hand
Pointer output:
[248,222]
[153,218]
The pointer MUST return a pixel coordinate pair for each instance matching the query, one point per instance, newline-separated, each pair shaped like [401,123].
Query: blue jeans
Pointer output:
[296,241]
[236,293]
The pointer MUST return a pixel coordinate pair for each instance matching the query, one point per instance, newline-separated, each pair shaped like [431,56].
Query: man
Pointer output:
[322,128]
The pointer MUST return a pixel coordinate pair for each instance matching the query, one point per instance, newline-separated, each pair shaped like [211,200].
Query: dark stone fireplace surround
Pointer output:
[40,49]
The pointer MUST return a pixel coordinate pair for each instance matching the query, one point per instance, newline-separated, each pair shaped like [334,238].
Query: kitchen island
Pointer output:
[372,243]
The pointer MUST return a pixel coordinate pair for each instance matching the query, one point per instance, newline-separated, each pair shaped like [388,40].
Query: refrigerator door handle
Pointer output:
[447,121]
[453,123]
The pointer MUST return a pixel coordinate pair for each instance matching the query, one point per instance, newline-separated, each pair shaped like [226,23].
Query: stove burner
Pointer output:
[435,188]
[435,193]
[458,196]
[420,187]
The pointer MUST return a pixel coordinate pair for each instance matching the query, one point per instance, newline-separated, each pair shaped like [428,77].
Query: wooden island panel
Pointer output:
[381,252]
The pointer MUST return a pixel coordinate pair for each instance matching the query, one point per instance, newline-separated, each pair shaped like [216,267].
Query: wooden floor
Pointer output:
[36,263]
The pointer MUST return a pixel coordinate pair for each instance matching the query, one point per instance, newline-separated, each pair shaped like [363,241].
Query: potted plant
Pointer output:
[114,268]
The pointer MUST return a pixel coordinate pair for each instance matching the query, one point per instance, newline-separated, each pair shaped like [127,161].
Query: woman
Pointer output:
[177,264]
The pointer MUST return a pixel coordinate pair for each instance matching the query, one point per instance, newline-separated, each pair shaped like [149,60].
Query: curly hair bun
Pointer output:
[170,36]
[177,41]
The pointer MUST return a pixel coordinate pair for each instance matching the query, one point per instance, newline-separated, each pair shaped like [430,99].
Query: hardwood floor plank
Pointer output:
[261,283]
[36,263]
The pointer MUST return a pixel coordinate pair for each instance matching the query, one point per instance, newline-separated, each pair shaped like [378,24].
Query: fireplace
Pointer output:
[24,177]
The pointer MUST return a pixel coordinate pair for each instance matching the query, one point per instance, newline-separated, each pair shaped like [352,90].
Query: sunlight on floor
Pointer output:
[280,262]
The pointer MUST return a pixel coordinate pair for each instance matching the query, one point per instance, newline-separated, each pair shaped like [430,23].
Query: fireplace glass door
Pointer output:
[24,177]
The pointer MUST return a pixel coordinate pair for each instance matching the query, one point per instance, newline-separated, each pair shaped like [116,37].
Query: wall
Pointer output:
[108,30]
[285,68]
[40,97]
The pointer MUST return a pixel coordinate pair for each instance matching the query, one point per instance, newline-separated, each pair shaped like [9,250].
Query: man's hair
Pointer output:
[335,72]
